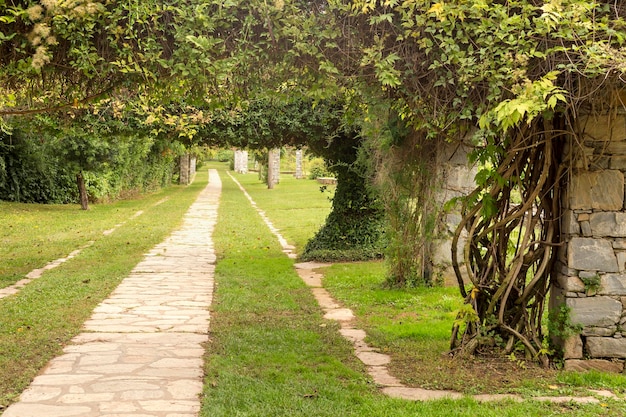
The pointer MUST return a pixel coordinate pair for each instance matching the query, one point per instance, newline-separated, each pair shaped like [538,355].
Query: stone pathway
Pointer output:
[375,361]
[140,353]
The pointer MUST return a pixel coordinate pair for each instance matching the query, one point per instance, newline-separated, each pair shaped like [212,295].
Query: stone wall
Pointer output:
[590,270]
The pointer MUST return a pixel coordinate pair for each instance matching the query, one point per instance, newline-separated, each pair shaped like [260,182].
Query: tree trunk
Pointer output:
[82,191]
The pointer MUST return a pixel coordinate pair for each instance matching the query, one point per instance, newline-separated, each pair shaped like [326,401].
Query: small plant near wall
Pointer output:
[592,283]
[560,323]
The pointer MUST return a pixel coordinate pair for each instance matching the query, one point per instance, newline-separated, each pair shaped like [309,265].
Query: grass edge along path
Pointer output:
[38,272]
[272,354]
[37,322]
[35,236]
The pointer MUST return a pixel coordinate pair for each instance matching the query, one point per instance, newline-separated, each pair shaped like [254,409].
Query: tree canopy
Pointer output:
[509,77]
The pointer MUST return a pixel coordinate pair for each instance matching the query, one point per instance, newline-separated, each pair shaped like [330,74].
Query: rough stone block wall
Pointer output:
[590,270]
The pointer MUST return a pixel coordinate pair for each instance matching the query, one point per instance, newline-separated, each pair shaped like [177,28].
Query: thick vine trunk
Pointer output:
[354,229]
[513,232]
[82,191]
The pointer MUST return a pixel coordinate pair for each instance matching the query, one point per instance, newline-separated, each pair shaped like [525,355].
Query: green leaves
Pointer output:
[533,99]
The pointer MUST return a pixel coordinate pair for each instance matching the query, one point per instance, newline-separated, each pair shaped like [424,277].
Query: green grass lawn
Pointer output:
[272,354]
[297,207]
[32,235]
[36,323]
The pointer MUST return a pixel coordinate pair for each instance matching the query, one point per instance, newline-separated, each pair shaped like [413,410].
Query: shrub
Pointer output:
[318,169]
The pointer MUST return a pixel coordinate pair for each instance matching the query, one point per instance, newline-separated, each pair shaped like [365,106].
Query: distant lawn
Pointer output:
[297,207]
[36,323]
[272,354]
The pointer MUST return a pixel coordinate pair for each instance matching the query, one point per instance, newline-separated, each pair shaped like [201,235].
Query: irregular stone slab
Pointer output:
[562,400]
[595,311]
[599,190]
[608,331]
[339,314]
[32,410]
[311,265]
[35,394]
[621,261]
[324,299]
[569,224]
[381,376]
[353,335]
[590,254]
[373,358]
[571,284]
[606,347]
[611,224]
[613,284]
[497,397]
[419,394]
[573,348]
[310,278]
[604,393]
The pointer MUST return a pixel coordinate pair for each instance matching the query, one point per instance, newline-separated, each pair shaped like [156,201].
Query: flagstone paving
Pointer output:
[140,353]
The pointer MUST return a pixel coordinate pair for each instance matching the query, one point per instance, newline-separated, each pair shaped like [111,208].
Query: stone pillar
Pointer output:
[273,168]
[457,180]
[187,171]
[590,271]
[299,174]
[241,161]
[192,167]
[236,160]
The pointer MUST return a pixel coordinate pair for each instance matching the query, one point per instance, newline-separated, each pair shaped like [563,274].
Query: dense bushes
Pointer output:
[43,169]
[354,229]
[30,172]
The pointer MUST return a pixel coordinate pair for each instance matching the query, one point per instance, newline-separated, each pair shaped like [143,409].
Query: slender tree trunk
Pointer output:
[82,191]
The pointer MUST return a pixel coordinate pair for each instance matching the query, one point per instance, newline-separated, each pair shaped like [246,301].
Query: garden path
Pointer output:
[140,353]
[376,362]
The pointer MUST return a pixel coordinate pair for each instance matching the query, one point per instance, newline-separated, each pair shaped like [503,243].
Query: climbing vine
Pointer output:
[510,77]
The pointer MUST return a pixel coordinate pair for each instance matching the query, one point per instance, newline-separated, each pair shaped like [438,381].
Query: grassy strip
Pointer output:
[272,354]
[413,326]
[37,322]
[296,207]
[34,234]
